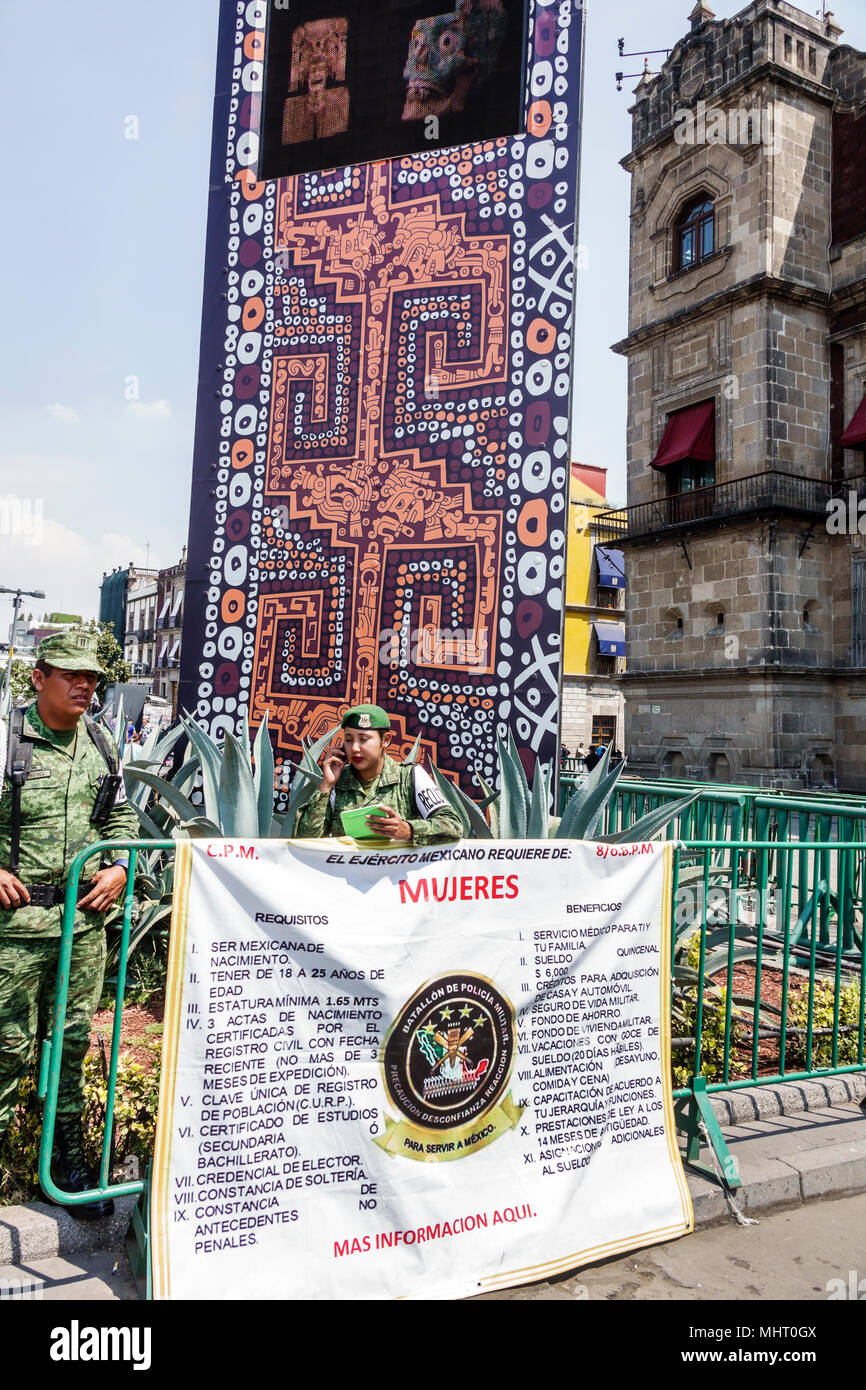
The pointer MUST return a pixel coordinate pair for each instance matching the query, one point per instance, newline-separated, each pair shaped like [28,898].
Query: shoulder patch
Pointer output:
[428,797]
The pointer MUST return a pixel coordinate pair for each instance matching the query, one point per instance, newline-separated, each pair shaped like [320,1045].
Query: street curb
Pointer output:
[39,1231]
[832,1166]
[787,1098]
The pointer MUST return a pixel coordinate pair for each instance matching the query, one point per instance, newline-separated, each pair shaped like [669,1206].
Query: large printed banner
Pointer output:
[412,1073]
[379,499]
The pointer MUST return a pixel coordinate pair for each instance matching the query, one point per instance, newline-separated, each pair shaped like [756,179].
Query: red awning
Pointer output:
[855,435]
[689,434]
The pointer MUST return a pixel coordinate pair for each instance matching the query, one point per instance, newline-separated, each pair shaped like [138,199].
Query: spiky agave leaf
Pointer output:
[245,738]
[579,798]
[471,817]
[521,772]
[238,809]
[263,778]
[210,761]
[199,828]
[147,825]
[539,809]
[186,772]
[413,755]
[650,824]
[165,791]
[165,742]
[584,809]
[513,800]
[458,808]
[489,793]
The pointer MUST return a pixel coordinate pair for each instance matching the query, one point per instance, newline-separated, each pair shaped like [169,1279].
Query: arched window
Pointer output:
[695,236]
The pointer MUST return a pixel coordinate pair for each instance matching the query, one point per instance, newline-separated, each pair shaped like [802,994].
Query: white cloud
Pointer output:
[67,566]
[66,413]
[152,410]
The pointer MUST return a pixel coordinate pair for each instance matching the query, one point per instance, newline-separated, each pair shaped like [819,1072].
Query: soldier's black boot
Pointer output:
[72,1173]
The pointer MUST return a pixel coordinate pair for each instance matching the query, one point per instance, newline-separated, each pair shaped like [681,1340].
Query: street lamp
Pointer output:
[16,604]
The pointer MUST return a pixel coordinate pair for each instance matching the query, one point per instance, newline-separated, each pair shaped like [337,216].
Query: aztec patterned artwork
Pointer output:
[379,503]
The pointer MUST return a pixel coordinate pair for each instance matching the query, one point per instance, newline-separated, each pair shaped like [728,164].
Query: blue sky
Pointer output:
[103,250]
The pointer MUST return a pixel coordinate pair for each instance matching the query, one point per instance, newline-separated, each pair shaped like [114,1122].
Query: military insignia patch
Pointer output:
[447,1061]
[363,721]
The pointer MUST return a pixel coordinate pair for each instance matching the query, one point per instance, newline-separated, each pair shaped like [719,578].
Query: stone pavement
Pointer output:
[792,1143]
[811,1253]
[75,1278]
[785,1159]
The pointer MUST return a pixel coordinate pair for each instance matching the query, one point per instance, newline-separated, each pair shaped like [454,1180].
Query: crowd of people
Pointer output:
[586,758]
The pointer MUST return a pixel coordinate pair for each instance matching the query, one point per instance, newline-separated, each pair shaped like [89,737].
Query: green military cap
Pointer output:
[72,650]
[365,717]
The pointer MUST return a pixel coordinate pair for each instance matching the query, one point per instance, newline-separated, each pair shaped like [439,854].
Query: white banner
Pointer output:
[412,1073]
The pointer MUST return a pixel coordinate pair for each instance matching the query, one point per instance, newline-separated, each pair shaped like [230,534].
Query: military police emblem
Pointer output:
[446,1062]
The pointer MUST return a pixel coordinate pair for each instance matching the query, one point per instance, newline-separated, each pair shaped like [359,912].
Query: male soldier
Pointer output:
[64,764]
[417,811]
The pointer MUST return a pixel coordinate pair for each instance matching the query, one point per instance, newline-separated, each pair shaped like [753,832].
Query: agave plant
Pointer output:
[520,812]
[236,792]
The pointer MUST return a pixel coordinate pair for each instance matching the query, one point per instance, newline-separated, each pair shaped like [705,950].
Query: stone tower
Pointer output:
[747,361]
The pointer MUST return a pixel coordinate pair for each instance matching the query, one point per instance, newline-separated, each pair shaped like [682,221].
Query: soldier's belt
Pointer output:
[50,894]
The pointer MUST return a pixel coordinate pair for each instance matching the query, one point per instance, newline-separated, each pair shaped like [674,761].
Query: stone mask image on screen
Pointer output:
[449,54]
[318,57]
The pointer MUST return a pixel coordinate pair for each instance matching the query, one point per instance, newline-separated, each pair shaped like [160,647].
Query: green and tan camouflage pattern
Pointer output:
[56,803]
[73,650]
[393,787]
[28,976]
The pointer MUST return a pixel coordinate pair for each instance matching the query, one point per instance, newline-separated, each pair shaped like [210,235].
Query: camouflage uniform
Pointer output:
[56,802]
[399,787]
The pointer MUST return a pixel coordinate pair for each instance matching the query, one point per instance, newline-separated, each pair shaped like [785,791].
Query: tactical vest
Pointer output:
[19,759]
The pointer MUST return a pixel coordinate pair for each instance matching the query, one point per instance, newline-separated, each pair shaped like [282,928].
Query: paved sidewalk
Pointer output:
[788,1159]
[85,1277]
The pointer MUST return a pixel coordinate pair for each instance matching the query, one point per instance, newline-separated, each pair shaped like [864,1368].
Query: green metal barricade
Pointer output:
[803,902]
[795,906]
[49,1069]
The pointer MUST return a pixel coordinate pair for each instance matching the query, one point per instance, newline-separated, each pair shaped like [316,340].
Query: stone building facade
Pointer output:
[140,630]
[592,699]
[747,363]
[171,586]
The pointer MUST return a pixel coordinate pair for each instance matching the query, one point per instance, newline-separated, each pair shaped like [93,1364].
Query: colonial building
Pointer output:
[169,630]
[747,376]
[592,702]
[140,634]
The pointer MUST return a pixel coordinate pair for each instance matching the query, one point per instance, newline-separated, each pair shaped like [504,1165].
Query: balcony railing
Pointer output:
[772,491]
